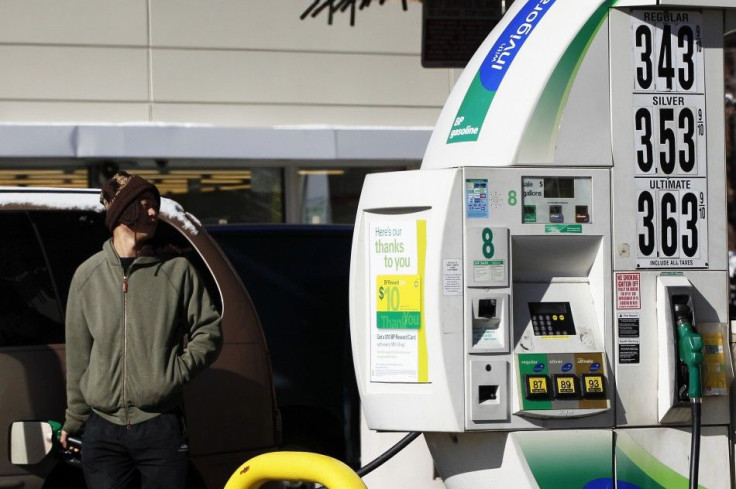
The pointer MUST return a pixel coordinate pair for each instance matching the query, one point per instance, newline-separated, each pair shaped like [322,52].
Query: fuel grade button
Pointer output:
[594,386]
[566,387]
[537,387]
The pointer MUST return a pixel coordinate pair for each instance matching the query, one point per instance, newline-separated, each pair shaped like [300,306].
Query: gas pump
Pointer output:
[547,297]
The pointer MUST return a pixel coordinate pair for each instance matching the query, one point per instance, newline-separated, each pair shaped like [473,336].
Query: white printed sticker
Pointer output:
[452,276]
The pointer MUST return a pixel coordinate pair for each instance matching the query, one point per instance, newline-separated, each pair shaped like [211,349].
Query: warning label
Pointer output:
[628,353]
[628,325]
[628,338]
[628,292]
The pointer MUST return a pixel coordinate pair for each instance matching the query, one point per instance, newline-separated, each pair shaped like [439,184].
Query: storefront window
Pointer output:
[44,177]
[330,196]
[225,191]
[223,196]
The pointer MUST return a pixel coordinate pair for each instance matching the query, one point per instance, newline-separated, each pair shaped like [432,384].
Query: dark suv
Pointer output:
[46,234]
[298,278]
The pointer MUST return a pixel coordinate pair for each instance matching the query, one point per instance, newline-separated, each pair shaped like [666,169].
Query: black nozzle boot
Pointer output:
[683,313]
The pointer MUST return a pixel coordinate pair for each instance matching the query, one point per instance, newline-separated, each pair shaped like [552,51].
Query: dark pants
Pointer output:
[152,454]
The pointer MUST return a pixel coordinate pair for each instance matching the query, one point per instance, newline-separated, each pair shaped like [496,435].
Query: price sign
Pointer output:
[672,225]
[669,139]
[669,135]
[668,51]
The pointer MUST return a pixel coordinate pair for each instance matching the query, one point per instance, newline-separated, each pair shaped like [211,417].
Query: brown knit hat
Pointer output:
[117,195]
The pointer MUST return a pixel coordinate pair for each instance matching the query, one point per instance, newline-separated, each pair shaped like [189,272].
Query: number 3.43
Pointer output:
[667,57]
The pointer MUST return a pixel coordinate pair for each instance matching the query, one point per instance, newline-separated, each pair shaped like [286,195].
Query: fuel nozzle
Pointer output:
[72,454]
[690,349]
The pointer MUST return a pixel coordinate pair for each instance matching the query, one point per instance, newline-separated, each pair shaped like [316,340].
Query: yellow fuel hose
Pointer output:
[294,466]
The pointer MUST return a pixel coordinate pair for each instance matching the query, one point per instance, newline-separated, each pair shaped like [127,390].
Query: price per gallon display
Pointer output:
[669,139]
[668,51]
[671,223]
[669,135]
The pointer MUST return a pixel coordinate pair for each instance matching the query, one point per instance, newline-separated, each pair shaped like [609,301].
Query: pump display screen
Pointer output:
[559,188]
[551,318]
[559,200]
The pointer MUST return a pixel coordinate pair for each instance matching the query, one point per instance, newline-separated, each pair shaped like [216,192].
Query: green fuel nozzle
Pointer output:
[691,349]
[55,429]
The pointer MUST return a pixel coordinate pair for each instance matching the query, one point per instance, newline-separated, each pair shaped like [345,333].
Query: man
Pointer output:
[130,307]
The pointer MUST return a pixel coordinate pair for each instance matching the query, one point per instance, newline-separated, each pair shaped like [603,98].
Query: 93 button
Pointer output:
[594,386]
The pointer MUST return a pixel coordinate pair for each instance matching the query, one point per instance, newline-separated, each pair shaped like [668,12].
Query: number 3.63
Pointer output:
[670,220]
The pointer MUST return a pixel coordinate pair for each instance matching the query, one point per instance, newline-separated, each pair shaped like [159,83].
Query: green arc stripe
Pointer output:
[648,464]
[627,471]
[473,109]
[540,136]
[567,459]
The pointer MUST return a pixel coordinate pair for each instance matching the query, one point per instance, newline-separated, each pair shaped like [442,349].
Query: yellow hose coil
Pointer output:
[294,466]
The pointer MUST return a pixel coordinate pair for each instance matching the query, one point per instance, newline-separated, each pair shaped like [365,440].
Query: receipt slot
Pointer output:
[513,299]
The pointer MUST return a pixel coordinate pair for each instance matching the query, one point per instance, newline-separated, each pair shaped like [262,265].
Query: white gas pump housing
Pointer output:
[512,298]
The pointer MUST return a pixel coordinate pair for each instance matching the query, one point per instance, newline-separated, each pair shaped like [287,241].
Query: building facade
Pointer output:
[227,104]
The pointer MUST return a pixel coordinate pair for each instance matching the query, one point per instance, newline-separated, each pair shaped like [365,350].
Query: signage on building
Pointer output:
[452,30]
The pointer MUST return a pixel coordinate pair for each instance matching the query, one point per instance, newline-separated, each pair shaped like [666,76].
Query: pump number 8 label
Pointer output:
[672,220]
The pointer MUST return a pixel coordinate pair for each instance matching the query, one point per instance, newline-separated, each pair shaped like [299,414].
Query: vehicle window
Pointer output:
[30,312]
[71,237]
[68,239]
[39,245]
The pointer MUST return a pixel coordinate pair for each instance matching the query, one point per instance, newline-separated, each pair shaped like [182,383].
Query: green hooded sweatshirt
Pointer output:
[125,354]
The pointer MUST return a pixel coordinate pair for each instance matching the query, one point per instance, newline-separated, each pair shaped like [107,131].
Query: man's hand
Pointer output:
[63,439]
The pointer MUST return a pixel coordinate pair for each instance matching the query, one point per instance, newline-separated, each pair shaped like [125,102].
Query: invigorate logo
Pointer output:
[477,101]
[507,46]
